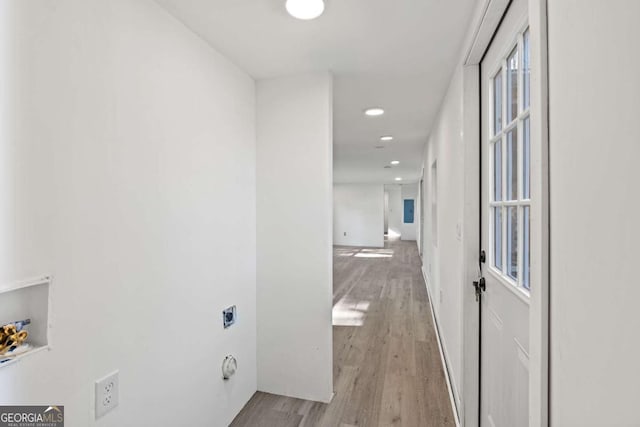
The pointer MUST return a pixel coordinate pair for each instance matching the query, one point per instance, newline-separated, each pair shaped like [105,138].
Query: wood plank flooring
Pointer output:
[387,368]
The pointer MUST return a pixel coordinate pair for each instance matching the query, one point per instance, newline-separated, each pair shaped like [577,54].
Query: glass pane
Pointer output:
[512,242]
[512,86]
[497,171]
[497,238]
[512,165]
[526,71]
[526,262]
[526,160]
[497,103]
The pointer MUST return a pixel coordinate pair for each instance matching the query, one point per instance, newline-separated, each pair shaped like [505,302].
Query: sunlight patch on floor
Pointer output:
[363,252]
[349,312]
[345,252]
[375,253]
[373,256]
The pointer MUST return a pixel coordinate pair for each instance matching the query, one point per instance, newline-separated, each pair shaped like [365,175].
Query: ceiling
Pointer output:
[397,54]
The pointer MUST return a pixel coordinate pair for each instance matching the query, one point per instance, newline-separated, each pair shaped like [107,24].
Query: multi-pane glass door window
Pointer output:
[511,165]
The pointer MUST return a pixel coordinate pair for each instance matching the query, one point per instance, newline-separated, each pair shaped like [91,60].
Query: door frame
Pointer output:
[421,215]
[485,25]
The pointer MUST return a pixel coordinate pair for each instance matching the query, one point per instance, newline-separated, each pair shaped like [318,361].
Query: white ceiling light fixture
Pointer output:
[374,111]
[398,179]
[305,9]
[395,162]
[386,138]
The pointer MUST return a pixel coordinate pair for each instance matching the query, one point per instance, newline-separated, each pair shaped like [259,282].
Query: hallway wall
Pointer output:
[358,211]
[443,204]
[594,151]
[409,231]
[122,134]
[294,236]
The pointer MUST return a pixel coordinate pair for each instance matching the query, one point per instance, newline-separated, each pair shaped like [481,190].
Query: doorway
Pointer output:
[386,214]
[420,207]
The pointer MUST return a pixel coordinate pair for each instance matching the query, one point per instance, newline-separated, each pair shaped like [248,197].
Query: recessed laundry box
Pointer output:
[24,319]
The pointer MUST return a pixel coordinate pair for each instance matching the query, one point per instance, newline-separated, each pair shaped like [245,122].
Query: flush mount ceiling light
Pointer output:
[305,9]
[398,179]
[395,162]
[386,138]
[374,111]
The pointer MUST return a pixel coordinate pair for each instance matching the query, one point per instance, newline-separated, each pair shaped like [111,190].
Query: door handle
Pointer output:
[480,286]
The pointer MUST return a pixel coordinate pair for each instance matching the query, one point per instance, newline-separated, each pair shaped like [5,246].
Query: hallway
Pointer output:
[387,367]
[227,172]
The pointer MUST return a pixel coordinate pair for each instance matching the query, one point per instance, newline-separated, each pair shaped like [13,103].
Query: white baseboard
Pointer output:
[445,363]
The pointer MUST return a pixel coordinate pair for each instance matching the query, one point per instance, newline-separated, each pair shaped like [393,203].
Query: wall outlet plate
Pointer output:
[229,316]
[107,393]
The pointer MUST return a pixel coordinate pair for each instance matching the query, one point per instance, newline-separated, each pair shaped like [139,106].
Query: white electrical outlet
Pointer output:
[107,391]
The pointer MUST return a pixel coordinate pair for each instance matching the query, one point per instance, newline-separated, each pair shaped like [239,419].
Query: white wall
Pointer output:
[409,231]
[121,136]
[443,262]
[395,209]
[358,211]
[294,240]
[594,151]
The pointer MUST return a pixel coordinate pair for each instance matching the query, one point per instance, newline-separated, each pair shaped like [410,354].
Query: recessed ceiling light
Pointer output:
[374,111]
[387,167]
[395,162]
[386,138]
[398,179]
[305,9]
[379,147]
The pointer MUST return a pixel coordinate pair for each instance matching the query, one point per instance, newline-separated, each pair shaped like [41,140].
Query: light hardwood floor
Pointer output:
[387,368]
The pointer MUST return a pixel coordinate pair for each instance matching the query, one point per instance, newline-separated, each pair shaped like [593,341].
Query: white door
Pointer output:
[504,374]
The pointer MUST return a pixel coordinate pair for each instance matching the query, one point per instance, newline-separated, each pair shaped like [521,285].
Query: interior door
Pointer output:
[505,153]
